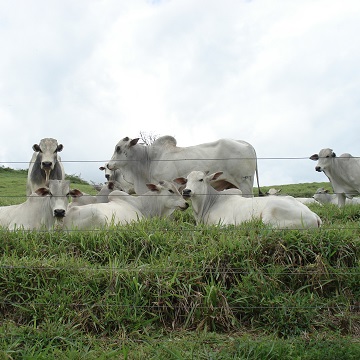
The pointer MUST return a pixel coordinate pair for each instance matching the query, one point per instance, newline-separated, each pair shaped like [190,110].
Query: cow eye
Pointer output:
[171,191]
[118,149]
[201,180]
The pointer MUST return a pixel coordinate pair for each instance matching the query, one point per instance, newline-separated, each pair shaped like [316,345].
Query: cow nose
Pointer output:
[59,212]
[107,177]
[318,168]
[186,192]
[46,164]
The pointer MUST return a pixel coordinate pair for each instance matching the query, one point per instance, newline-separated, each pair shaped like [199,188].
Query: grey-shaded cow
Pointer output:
[44,165]
[164,160]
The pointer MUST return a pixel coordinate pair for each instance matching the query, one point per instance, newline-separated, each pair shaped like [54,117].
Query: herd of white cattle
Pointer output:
[145,181]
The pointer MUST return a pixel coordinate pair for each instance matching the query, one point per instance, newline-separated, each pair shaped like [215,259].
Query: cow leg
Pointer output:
[341,199]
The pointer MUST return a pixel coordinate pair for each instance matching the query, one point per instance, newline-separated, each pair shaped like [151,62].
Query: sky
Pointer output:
[282,75]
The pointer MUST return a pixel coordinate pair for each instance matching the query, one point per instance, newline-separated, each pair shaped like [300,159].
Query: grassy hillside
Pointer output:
[13,185]
[168,289]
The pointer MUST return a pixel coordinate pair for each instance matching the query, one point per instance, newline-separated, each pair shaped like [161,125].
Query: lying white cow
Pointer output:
[303,200]
[211,208]
[122,208]
[118,177]
[343,173]
[42,210]
[142,164]
[80,198]
[44,165]
[324,197]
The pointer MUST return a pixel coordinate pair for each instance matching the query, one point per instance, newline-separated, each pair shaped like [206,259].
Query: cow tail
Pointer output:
[257,179]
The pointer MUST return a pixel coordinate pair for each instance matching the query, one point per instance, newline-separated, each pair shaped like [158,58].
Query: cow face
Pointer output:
[107,171]
[168,196]
[58,192]
[324,159]
[122,151]
[197,183]
[47,149]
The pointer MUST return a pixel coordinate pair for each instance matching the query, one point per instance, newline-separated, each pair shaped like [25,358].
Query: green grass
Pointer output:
[168,289]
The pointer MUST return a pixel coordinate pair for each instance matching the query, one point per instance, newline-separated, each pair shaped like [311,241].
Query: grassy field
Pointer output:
[168,289]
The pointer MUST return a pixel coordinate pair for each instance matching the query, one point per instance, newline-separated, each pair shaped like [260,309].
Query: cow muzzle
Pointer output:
[184,207]
[318,168]
[186,193]
[47,165]
[59,213]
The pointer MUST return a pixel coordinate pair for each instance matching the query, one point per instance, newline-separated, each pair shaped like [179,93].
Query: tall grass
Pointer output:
[168,289]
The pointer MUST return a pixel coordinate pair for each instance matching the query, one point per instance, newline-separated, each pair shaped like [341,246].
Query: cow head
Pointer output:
[197,183]
[121,152]
[107,171]
[47,149]
[168,197]
[58,192]
[324,158]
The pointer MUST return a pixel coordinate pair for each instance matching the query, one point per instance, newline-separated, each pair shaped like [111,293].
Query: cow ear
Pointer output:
[101,168]
[180,180]
[314,157]
[134,141]
[60,147]
[152,187]
[75,193]
[42,191]
[36,148]
[214,176]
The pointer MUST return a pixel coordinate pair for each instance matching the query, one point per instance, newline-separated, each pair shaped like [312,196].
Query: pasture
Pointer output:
[168,289]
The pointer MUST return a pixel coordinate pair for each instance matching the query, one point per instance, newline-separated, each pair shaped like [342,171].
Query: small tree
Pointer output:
[147,138]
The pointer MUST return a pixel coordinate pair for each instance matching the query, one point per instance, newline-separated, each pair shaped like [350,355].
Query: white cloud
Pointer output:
[282,75]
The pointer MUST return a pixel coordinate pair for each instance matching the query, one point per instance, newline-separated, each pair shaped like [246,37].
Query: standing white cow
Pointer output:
[43,209]
[343,173]
[122,208]
[211,207]
[162,159]
[117,176]
[44,165]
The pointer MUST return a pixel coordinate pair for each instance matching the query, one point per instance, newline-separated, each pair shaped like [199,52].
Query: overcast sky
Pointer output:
[282,75]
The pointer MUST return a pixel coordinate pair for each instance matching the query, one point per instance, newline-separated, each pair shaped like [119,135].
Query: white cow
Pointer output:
[343,173]
[118,177]
[324,197]
[122,208]
[80,198]
[141,164]
[43,209]
[44,165]
[211,208]
[303,200]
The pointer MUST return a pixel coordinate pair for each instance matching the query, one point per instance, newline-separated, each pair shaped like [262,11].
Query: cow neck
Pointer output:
[338,177]
[149,205]
[141,168]
[208,200]
[37,175]
[42,205]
